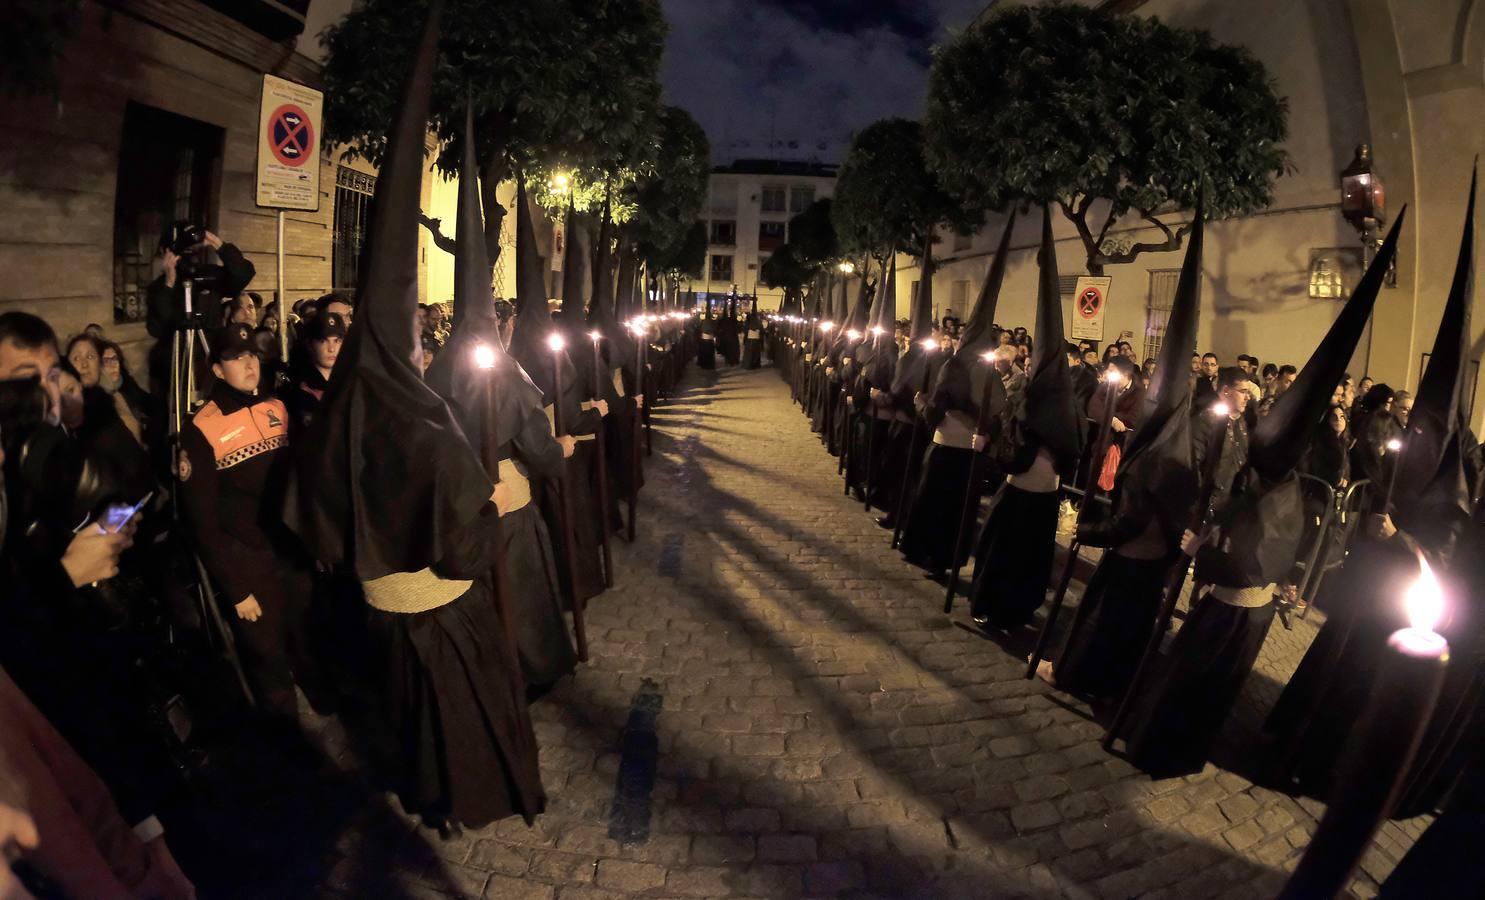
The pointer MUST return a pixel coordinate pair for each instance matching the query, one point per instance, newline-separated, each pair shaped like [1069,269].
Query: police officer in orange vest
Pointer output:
[234,457]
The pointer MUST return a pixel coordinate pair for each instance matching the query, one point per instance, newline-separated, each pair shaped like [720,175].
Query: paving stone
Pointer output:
[787,848]
[823,730]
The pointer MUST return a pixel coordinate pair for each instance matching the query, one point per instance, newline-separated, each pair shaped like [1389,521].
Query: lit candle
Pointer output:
[1376,763]
[1394,447]
[853,334]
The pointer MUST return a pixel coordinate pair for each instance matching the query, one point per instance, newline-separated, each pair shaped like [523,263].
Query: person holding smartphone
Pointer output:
[232,463]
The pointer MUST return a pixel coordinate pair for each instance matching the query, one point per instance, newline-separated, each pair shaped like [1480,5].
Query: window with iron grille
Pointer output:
[1158,307]
[772,199]
[353,192]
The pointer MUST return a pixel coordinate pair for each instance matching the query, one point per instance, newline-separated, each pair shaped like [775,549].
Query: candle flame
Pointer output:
[928,344]
[826,326]
[595,335]
[853,334]
[484,356]
[1221,409]
[1394,445]
[556,342]
[876,331]
[1425,599]
[1113,376]
[988,356]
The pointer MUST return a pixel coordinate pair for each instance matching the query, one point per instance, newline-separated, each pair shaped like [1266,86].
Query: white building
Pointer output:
[747,217]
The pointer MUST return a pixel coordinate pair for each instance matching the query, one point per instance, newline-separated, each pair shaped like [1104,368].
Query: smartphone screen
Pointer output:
[118,515]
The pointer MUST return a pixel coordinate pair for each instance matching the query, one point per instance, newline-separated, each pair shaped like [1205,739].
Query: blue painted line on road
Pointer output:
[629,821]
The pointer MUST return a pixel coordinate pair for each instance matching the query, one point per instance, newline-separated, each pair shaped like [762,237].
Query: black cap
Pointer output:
[325,325]
[232,341]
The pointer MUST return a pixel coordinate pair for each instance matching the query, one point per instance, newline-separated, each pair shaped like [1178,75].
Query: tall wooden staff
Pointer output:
[484,358]
[608,560]
[971,492]
[930,348]
[1111,380]
[871,430]
[565,513]
[1199,518]
[642,336]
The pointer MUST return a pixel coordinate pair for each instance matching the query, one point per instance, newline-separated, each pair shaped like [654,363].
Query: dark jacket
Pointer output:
[165,306]
[234,458]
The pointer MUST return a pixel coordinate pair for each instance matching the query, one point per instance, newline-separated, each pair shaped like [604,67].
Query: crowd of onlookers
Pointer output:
[114,674]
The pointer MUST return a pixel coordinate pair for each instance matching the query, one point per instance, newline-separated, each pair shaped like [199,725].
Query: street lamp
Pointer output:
[847,267]
[1364,201]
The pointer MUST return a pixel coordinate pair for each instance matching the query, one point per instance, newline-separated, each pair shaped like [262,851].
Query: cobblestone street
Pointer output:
[776,707]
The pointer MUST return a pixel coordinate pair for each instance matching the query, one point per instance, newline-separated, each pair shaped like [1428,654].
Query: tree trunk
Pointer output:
[491,174]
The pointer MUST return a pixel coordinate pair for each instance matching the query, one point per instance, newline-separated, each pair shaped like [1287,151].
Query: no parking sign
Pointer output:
[1090,301]
[289,145]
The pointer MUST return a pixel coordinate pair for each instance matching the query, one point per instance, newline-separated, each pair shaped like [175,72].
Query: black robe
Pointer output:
[752,354]
[586,519]
[461,745]
[1177,720]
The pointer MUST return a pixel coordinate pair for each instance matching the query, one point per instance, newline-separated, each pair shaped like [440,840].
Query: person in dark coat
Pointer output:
[499,407]
[752,334]
[1042,443]
[1154,492]
[1432,515]
[1176,718]
[953,410]
[389,487]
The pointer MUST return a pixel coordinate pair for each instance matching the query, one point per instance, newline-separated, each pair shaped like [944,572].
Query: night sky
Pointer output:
[759,74]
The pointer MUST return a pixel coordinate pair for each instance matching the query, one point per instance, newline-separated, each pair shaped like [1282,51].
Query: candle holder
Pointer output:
[1375,765]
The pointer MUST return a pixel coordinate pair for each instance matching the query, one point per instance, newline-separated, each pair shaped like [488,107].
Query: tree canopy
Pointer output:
[669,191]
[1068,105]
[812,234]
[561,84]
[886,196]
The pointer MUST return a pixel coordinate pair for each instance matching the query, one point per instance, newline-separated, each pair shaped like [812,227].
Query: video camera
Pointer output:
[185,238]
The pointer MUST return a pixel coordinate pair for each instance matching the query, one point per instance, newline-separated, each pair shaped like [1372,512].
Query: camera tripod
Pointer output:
[188,339]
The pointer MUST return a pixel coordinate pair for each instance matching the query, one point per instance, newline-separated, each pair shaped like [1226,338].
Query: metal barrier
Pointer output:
[1343,511]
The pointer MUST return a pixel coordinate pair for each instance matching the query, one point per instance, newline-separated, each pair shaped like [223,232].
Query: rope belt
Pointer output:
[517,483]
[1248,597]
[413,592]
[954,431]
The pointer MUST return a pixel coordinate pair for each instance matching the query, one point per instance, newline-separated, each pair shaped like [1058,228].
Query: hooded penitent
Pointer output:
[1265,513]
[908,376]
[1158,456]
[961,382]
[1432,491]
[856,320]
[618,343]
[1280,438]
[576,273]
[533,321]
[457,373]
[878,354]
[385,479]
[1051,405]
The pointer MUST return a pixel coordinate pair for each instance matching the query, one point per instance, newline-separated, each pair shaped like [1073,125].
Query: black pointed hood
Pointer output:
[384,479]
[1157,457]
[1051,412]
[975,338]
[907,378]
[456,374]
[618,343]
[1431,481]
[534,323]
[577,276]
[840,310]
[1281,438]
[879,351]
[856,320]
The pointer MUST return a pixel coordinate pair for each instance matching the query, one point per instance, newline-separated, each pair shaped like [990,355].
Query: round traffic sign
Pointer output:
[291,136]
[1090,302]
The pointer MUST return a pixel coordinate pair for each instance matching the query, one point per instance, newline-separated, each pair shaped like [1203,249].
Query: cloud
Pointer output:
[792,78]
